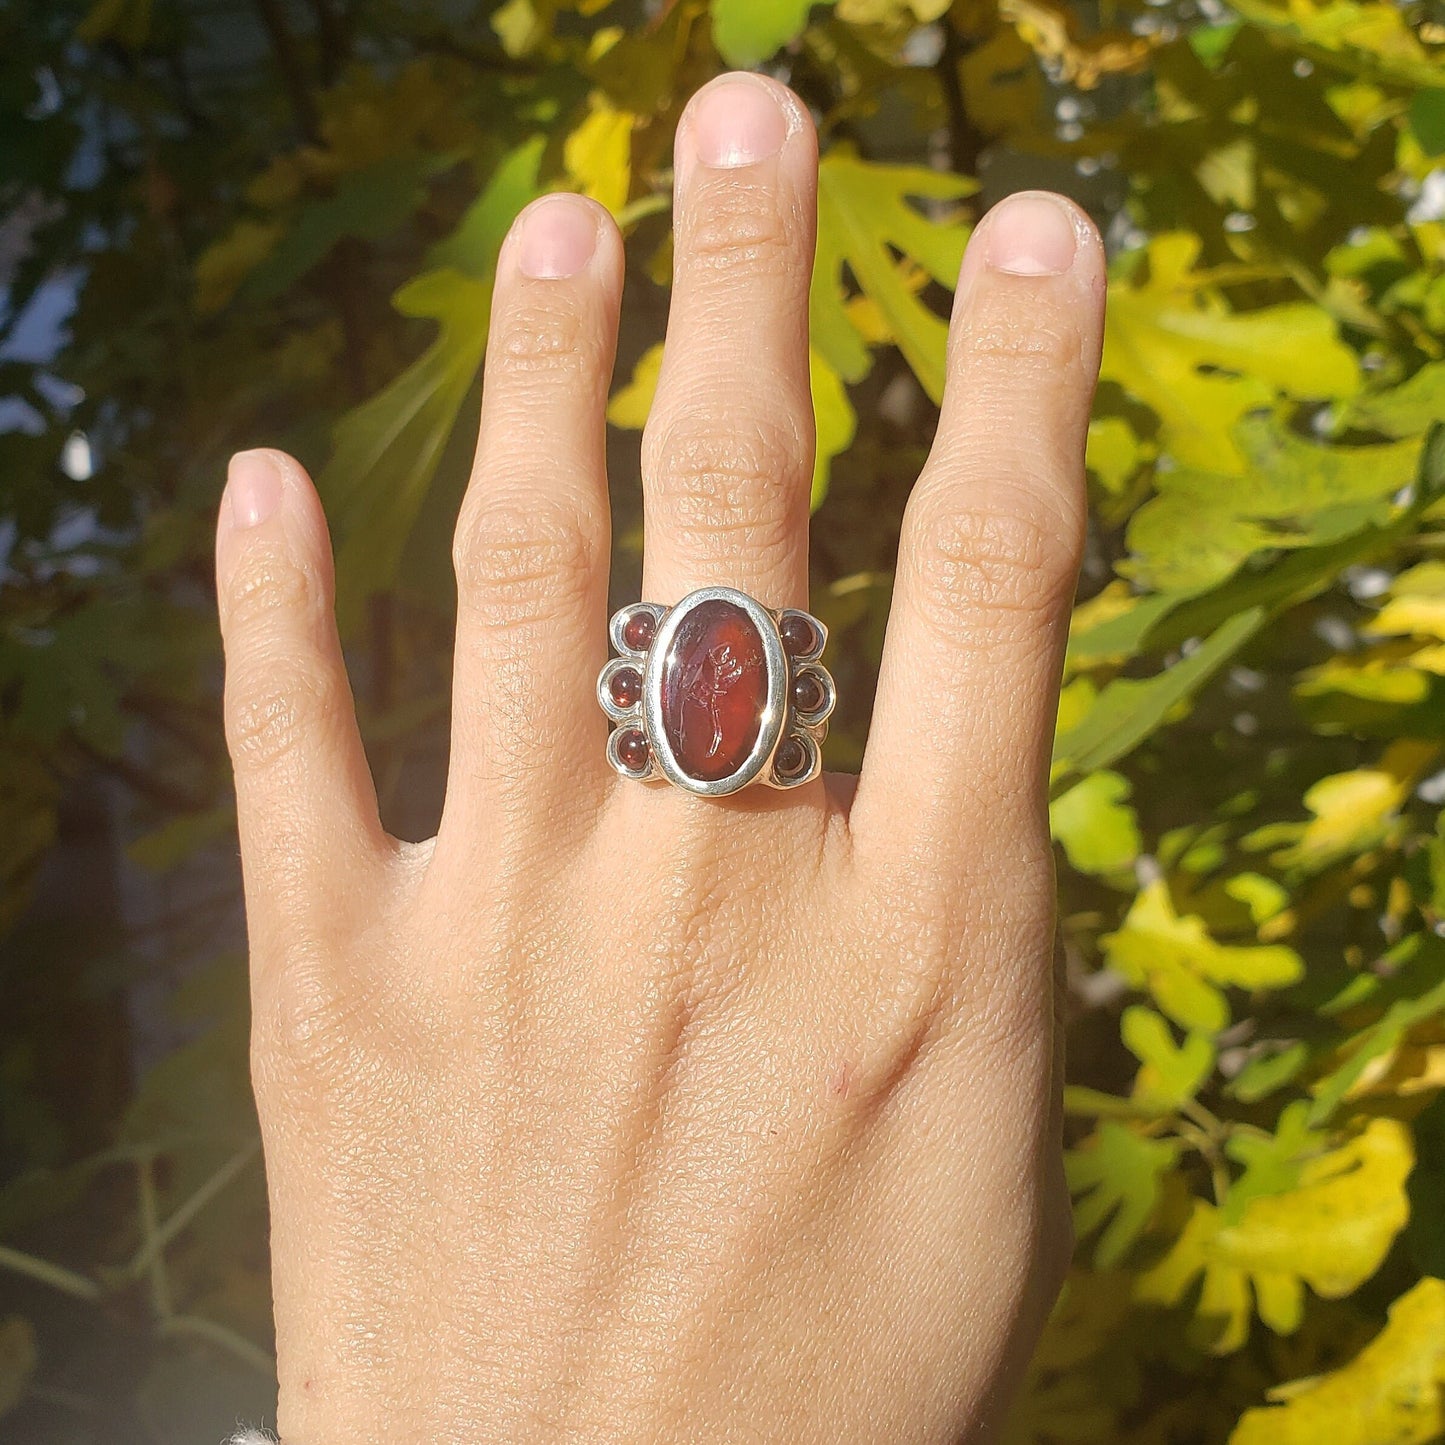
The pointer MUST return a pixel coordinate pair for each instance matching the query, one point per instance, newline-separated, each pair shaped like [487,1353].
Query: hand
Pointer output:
[619,1114]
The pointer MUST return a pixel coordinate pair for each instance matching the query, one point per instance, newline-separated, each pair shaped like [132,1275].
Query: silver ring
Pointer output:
[716,693]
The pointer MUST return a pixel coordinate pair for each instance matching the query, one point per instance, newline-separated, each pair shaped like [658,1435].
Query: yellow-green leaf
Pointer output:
[1115,1176]
[748,31]
[864,218]
[598,154]
[1200,527]
[1330,1233]
[1416,605]
[1113,452]
[835,420]
[632,402]
[17,1361]
[1374,39]
[387,449]
[1183,968]
[1173,343]
[1351,811]
[1391,1393]
[1169,1074]
[1093,821]
[1098,728]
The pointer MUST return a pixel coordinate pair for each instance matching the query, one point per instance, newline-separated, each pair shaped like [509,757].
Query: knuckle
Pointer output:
[729,485]
[1014,555]
[534,338]
[522,561]
[270,583]
[305,1030]
[275,707]
[1015,339]
[736,223]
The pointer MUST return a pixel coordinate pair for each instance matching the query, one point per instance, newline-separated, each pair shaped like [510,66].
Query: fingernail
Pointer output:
[1031,235]
[738,122]
[255,487]
[556,237]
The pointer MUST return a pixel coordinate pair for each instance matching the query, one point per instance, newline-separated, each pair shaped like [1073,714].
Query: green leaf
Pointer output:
[1413,992]
[1262,1076]
[1407,410]
[1186,970]
[1201,527]
[1211,42]
[1171,342]
[1115,1175]
[864,217]
[1427,120]
[368,204]
[749,31]
[1129,710]
[1272,1163]
[1391,1393]
[387,449]
[1098,830]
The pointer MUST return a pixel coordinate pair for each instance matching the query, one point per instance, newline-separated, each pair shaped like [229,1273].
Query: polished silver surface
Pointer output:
[778,720]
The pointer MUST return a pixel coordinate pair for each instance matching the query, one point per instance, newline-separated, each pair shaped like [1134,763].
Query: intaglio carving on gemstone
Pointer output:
[716,693]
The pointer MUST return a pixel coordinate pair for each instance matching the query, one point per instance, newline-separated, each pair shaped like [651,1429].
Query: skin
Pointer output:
[613,1113]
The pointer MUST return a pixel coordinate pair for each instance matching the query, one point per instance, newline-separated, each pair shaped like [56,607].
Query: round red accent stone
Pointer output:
[632,749]
[714,689]
[639,630]
[625,685]
[808,694]
[798,634]
[791,759]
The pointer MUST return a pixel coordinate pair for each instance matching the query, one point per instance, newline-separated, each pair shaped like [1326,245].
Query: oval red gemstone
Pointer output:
[714,689]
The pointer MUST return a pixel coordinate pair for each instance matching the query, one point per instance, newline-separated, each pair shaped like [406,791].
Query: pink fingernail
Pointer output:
[255,488]
[556,237]
[1031,234]
[738,122]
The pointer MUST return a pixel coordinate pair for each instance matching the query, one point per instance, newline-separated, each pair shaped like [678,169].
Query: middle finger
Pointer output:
[727,456]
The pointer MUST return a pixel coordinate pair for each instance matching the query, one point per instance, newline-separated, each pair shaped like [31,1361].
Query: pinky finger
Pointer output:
[311,839]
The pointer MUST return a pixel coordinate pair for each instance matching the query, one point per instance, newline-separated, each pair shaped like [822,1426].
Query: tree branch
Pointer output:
[334,36]
[965,140]
[291,66]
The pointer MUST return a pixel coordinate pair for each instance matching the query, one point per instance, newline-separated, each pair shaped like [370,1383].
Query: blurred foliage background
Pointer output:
[230,222]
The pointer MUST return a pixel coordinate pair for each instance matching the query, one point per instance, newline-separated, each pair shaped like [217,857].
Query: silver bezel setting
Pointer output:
[779,718]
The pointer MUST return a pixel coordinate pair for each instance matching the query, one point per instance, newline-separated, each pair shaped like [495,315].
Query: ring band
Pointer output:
[716,693]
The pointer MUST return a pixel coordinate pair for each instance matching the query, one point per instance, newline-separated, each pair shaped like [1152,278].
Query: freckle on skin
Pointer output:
[842,1078]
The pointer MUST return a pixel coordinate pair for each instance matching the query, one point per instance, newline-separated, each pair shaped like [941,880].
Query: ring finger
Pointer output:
[727,456]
